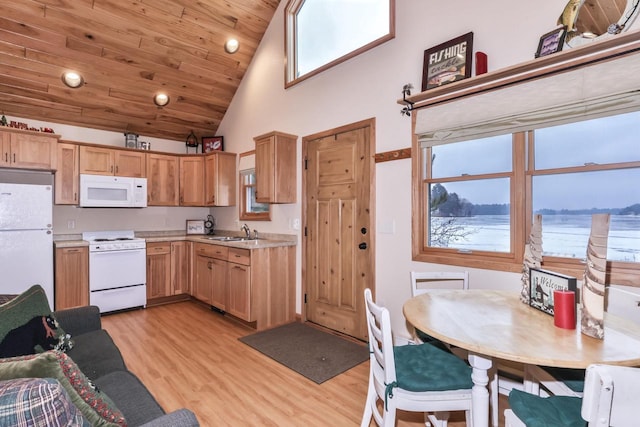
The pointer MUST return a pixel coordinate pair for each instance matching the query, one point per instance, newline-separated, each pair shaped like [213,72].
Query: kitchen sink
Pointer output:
[230,239]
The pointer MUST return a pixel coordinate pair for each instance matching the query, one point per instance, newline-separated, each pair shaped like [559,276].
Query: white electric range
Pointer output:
[117,270]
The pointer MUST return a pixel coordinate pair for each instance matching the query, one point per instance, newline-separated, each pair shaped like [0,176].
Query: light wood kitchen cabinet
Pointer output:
[191,181]
[202,278]
[210,282]
[28,150]
[71,287]
[220,284]
[181,267]
[168,271]
[163,180]
[254,285]
[220,175]
[109,161]
[158,270]
[239,278]
[67,175]
[276,168]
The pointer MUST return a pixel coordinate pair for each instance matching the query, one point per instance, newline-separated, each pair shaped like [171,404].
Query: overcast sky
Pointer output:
[614,139]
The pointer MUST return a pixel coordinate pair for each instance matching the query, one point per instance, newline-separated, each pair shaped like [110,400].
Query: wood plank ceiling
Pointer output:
[127,51]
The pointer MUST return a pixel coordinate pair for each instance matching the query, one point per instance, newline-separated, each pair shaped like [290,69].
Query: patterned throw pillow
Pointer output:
[95,406]
[27,402]
[27,325]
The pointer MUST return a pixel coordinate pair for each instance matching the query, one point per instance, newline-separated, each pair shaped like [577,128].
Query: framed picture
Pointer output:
[448,62]
[551,42]
[212,143]
[195,226]
[542,283]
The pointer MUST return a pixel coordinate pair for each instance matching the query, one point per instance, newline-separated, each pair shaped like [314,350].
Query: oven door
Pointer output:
[115,269]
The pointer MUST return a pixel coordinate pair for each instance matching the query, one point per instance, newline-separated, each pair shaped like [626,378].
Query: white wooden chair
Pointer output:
[410,377]
[426,281]
[549,382]
[611,398]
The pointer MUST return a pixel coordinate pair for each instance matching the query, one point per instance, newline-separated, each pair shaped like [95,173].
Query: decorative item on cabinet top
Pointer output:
[212,143]
[192,141]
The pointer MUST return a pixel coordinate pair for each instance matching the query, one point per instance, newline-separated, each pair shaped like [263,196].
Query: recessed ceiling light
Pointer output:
[231,46]
[161,99]
[72,79]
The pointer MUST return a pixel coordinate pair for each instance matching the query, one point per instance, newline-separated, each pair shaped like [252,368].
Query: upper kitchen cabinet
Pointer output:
[28,150]
[192,180]
[163,180]
[276,168]
[108,161]
[220,179]
[66,176]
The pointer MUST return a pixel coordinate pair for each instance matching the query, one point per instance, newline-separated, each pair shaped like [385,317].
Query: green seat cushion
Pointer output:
[572,378]
[554,411]
[95,406]
[27,325]
[425,367]
[37,402]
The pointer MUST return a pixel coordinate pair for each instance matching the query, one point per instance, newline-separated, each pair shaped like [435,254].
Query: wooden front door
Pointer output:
[338,253]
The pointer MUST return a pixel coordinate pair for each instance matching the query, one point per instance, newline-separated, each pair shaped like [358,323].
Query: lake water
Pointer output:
[562,235]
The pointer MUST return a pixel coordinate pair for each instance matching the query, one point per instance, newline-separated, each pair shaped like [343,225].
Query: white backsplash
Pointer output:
[73,220]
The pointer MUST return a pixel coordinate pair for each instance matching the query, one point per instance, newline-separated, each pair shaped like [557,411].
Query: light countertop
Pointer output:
[265,241]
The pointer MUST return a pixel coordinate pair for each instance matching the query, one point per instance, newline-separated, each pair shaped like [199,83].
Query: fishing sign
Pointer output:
[448,62]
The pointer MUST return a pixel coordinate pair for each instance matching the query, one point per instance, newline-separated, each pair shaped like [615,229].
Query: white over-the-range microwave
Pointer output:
[104,191]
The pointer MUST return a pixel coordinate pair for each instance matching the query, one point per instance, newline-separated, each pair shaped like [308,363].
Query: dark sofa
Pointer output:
[98,358]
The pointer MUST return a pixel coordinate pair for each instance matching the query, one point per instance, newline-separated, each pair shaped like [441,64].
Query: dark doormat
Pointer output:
[311,352]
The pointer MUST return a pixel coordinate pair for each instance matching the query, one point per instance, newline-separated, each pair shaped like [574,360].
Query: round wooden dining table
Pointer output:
[496,324]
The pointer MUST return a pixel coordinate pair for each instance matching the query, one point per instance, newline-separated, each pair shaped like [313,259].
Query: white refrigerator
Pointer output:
[26,238]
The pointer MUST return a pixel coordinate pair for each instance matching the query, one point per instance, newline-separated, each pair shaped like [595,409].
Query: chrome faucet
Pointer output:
[246,230]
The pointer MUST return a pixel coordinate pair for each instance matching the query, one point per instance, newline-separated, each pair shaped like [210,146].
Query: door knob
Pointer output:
[363,245]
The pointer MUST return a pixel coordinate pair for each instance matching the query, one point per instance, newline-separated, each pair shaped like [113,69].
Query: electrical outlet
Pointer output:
[295,224]
[71,224]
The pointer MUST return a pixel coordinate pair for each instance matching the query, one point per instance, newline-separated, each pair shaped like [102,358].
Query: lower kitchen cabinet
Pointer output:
[202,278]
[210,274]
[168,270]
[71,287]
[254,285]
[181,267]
[158,270]
[219,284]
[239,277]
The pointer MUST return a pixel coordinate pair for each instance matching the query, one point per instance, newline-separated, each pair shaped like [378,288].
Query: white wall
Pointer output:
[368,86]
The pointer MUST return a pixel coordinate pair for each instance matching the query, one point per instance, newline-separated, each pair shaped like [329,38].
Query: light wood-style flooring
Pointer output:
[189,356]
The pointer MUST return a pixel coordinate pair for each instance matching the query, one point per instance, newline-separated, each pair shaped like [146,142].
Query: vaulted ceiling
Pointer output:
[127,51]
